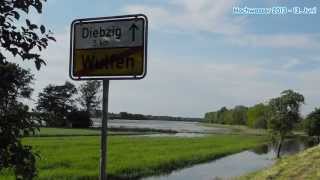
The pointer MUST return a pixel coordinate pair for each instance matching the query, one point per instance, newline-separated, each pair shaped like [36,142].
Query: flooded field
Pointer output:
[179,126]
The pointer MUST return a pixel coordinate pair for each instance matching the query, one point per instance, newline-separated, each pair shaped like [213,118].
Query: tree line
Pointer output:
[254,117]
[281,115]
[132,116]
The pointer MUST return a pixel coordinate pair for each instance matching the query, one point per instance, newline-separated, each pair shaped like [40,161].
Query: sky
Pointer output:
[201,55]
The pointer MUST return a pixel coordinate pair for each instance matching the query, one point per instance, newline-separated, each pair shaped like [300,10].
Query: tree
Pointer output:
[79,119]
[221,115]
[25,39]
[284,115]
[210,117]
[89,98]
[20,41]
[15,121]
[258,116]
[55,102]
[312,124]
[124,115]
[239,115]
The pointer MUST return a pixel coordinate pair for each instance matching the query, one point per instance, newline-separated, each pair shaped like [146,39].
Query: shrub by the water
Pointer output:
[79,119]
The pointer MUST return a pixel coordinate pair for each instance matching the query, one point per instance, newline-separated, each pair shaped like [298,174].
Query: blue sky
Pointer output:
[201,55]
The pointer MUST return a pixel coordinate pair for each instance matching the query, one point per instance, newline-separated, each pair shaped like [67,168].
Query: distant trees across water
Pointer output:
[131,116]
[281,115]
[254,117]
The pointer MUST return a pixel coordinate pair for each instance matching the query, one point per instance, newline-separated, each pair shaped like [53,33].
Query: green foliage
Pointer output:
[15,121]
[284,114]
[55,102]
[237,116]
[89,99]
[312,123]
[217,116]
[22,40]
[125,115]
[79,119]
[258,116]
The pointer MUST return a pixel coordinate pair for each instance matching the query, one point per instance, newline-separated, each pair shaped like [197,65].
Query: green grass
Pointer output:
[302,166]
[77,157]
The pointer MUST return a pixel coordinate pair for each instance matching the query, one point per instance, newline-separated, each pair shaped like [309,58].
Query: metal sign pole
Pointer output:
[104,138]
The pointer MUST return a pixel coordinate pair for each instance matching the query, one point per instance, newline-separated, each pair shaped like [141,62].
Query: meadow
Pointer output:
[129,157]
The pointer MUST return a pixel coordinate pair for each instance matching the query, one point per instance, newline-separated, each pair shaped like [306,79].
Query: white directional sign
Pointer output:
[112,48]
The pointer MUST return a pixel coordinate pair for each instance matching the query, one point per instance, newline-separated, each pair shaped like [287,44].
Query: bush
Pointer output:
[312,124]
[260,123]
[79,119]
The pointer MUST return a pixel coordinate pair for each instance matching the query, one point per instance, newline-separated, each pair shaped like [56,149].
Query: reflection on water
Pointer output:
[236,164]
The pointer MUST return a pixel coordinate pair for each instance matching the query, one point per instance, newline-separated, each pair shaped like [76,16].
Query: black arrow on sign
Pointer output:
[133,29]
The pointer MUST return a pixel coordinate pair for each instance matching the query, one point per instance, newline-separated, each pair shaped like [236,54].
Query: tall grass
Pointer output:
[77,157]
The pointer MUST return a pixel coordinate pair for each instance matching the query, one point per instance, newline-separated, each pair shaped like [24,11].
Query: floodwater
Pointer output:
[235,164]
[179,126]
[226,167]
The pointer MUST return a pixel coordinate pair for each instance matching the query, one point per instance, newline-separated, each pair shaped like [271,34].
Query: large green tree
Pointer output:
[312,124]
[258,116]
[239,115]
[285,113]
[89,95]
[22,40]
[55,102]
[16,121]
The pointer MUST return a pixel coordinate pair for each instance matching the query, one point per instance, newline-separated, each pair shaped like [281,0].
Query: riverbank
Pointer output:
[304,165]
[130,157]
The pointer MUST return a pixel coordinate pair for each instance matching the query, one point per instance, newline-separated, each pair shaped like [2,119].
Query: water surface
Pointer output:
[179,126]
[234,165]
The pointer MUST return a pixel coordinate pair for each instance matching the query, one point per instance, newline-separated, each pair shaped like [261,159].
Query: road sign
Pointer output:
[109,47]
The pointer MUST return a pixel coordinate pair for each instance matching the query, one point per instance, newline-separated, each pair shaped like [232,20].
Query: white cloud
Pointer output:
[190,89]
[277,40]
[187,88]
[216,17]
[57,59]
[177,87]
[292,63]
[190,15]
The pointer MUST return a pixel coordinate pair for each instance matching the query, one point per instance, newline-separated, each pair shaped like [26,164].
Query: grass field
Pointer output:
[302,166]
[77,157]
